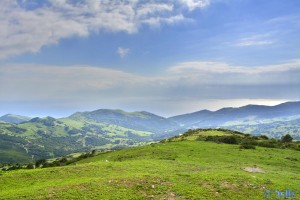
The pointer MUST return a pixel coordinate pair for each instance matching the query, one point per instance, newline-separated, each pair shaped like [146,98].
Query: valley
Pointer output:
[25,139]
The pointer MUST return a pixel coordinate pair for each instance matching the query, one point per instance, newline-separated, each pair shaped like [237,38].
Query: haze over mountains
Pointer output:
[249,114]
[28,138]
[146,121]
[16,119]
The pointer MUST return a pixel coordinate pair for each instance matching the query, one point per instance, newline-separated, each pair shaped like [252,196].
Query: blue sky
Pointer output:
[167,57]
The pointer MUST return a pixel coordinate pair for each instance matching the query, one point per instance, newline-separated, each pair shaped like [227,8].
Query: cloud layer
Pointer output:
[27,26]
[182,85]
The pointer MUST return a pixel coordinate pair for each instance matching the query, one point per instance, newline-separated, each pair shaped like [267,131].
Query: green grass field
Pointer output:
[171,170]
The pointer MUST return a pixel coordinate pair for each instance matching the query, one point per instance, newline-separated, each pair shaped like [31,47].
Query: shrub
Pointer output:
[229,140]
[247,146]
[40,162]
[268,144]
[63,160]
[249,141]
[30,166]
[287,138]
[264,137]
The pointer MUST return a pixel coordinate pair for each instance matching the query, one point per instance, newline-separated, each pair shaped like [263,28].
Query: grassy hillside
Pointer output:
[180,168]
[275,129]
[49,137]
[25,141]
[143,121]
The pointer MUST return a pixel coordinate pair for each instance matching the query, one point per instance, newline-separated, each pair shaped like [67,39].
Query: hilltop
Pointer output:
[183,167]
[144,121]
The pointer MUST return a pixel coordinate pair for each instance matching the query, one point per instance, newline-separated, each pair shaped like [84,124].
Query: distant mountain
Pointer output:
[22,138]
[143,121]
[253,114]
[16,119]
[275,129]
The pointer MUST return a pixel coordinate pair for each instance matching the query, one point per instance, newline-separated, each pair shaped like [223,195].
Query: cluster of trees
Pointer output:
[10,166]
[43,163]
[246,141]
[250,142]
[16,129]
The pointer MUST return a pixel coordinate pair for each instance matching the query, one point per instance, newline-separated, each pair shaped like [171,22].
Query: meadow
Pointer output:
[187,169]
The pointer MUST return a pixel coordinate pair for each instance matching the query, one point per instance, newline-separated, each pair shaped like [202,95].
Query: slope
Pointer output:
[143,120]
[275,129]
[49,137]
[187,169]
[250,114]
[16,119]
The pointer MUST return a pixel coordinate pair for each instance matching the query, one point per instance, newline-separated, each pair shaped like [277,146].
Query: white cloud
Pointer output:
[26,29]
[256,40]
[122,52]
[197,67]
[154,8]
[249,42]
[183,86]
[37,81]
[194,4]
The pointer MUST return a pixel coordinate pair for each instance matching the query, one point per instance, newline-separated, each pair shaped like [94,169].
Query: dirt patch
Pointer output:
[229,186]
[253,169]
[172,196]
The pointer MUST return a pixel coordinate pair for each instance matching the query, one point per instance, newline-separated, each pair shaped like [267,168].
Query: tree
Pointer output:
[229,140]
[287,138]
[63,160]
[30,166]
[40,162]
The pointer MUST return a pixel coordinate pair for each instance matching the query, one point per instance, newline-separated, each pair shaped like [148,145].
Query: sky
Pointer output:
[168,57]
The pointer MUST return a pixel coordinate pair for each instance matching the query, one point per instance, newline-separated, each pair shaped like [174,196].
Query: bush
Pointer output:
[30,166]
[250,141]
[40,162]
[287,138]
[229,140]
[247,146]
[208,138]
[268,144]
[63,160]
[264,137]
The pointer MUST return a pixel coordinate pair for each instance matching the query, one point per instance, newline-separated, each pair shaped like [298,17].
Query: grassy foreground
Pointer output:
[171,170]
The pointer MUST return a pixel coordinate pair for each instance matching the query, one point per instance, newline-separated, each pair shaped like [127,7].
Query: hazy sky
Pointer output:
[167,57]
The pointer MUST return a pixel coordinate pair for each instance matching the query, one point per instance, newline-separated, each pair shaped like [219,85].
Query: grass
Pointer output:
[172,170]
[48,138]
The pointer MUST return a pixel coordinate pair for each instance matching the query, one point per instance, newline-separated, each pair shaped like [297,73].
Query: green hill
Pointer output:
[49,137]
[24,141]
[275,129]
[143,120]
[16,119]
[183,167]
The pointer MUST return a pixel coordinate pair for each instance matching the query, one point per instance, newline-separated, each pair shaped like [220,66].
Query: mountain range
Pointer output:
[23,138]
